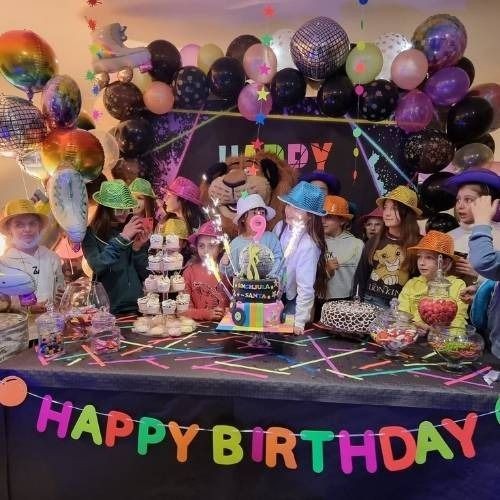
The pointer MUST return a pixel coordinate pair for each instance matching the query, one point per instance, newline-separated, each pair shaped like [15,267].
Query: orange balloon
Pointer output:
[159,98]
[74,148]
[13,391]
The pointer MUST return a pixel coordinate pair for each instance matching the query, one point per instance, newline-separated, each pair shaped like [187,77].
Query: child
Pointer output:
[384,266]
[433,244]
[485,259]
[23,224]
[373,223]
[305,265]
[146,205]
[343,249]
[115,249]
[208,302]
[246,208]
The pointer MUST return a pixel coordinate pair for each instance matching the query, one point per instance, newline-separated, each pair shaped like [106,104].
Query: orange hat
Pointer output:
[336,205]
[436,241]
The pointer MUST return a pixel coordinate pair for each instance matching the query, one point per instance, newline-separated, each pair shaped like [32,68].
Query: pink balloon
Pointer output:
[159,98]
[414,111]
[260,63]
[189,54]
[409,69]
[490,92]
[249,105]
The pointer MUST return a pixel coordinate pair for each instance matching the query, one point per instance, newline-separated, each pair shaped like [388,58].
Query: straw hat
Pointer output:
[206,229]
[307,197]
[177,227]
[436,241]
[20,207]
[141,186]
[185,189]
[403,195]
[115,194]
[246,203]
[336,205]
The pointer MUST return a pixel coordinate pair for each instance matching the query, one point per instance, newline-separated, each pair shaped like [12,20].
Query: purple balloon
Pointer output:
[414,112]
[249,104]
[447,86]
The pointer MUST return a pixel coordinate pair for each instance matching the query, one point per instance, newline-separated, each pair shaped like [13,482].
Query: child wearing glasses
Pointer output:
[115,246]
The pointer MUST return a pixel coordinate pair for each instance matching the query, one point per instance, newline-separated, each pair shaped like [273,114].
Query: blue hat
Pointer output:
[307,197]
[330,180]
[473,176]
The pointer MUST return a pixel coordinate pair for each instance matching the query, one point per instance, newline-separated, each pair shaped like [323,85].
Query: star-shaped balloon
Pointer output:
[252,170]
[257,144]
[90,75]
[244,194]
[269,11]
[264,69]
[266,39]
[262,94]
[260,118]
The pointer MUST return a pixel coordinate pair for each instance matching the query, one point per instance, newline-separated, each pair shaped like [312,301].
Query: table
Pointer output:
[212,379]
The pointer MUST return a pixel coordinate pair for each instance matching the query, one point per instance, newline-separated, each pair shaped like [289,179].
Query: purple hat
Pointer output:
[330,180]
[473,176]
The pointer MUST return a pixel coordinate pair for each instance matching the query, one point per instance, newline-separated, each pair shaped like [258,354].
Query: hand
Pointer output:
[39,307]
[331,266]
[483,210]
[58,294]
[217,314]
[133,226]
[463,267]
[467,294]
[140,240]
[224,261]
[298,330]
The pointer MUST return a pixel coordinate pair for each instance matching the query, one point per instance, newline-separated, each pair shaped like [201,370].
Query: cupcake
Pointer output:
[150,304]
[188,325]
[177,283]
[169,306]
[163,284]
[172,242]
[155,262]
[156,241]
[173,261]
[151,284]
[141,325]
[182,301]
[173,327]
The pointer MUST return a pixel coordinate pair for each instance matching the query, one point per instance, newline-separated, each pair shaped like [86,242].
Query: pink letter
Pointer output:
[257,444]
[348,451]
[298,155]
[47,413]
[463,435]
[321,154]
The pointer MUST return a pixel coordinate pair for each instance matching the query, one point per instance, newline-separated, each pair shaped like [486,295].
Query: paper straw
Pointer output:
[155,363]
[468,376]
[137,349]
[93,356]
[228,363]
[298,365]
[42,360]
[374,365]
[392,372]
[426,374]
[74,362]
[236,372]
[182,339]
[345,374]
[323,355]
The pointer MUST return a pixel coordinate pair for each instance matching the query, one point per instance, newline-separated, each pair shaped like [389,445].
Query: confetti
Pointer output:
[266,39]
[269,11]
[264,69]
[90,75]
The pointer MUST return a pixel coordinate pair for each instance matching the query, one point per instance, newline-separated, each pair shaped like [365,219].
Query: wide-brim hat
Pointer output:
[338,206]
[206,229]
[249,202]
[376,213]
[330,180]
[14,208]
[185,189]
[307,197]
[177,227]
[473,176]
[403,195]
[436,241]
[115,194]
[141,186]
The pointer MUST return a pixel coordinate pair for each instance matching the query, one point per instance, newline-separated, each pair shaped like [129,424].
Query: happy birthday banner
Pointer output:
[270,447]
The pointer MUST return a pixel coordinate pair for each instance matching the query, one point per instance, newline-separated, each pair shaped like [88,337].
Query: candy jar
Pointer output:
[50,327]
[394,331]
[104,335]
[459,347]
[437,308]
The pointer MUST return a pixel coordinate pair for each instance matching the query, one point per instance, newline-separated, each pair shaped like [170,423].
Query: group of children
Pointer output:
[323,261]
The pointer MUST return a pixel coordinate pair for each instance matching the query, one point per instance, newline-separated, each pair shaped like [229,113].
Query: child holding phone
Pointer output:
[142,191]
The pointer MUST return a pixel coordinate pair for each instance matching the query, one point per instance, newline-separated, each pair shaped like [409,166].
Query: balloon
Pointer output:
[127,169]
[240,45]
[125,75]
[466,64]
[61,102]
[31,163]
[84,121]
[409,69]
[441,222]
[165,59]
[428,151]
[378,100]
[189,54]
[74,148]
[102,80]
[110,148]
[364,63]
[280,43]
[69,202]
[260,63]
[414,111]
[249,106]
[26,60]
[123,100]
[226,78]
[141,80]
[22,127]
[433,198]
[208,54]
[336,96]
[472,156]
[390,44]
[159,98]
[104,121]
[442,38]
[486,139]
[469,118]
[134,137]
[288,87]
[491,93]
[447,86]
[190,87]
[319,48]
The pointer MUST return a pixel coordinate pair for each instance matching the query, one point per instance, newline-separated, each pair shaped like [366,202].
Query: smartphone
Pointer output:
[462,254]
[129,216]
[147,224]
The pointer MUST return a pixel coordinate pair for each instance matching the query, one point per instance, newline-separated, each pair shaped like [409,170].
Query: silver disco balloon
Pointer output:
[265,263]
[319,48]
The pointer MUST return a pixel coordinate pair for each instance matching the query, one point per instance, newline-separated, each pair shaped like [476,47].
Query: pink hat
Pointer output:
[185,189]
[206,229]
[376,213]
